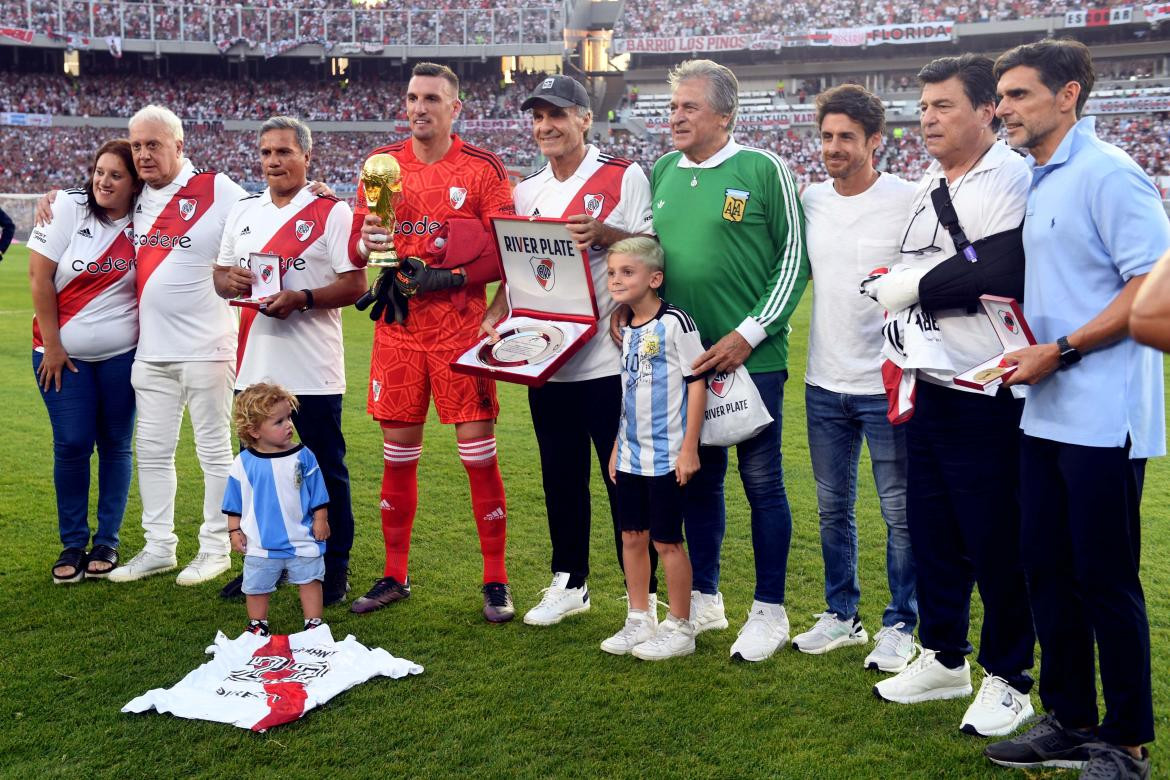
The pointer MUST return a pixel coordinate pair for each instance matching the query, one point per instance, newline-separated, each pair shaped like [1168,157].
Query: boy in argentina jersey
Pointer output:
[275,503]
[657,449]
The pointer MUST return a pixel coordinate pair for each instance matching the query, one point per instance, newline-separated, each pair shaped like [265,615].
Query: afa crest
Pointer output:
[735,204]
[187,208]
[303,229]
[544,270]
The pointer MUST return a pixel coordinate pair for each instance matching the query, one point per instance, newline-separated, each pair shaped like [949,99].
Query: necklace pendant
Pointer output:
[694,180]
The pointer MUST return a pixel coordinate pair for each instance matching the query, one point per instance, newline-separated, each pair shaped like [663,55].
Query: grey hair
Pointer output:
[163,116]
[645,248]
[722,85]
[299,128]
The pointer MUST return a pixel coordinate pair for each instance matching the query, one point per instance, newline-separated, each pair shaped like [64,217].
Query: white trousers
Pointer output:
[161,390]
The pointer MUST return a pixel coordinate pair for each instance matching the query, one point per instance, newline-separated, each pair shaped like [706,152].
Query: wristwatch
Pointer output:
[1069,356]
[308,300]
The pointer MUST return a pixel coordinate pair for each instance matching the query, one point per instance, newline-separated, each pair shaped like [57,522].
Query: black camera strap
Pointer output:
[945,209]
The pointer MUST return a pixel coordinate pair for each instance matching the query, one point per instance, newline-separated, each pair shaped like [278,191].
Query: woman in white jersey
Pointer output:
[82,273]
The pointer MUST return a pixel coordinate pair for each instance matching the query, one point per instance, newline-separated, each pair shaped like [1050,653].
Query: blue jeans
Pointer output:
[95,407]
[836,424]
[763,481]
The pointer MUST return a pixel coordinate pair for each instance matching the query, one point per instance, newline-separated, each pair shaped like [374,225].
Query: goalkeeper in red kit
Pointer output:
[425,316]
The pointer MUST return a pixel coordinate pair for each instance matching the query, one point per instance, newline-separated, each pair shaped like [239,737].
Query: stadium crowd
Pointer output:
[205,98]
[35,159]
[666,18]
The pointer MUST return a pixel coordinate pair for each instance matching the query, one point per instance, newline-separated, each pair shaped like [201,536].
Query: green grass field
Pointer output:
[494,701]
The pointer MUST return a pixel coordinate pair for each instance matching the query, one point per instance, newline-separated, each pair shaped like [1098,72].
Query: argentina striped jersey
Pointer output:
[275,495]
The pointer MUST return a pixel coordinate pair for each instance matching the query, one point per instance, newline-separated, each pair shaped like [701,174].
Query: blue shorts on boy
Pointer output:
[656,369]
[275,496]
[262,574]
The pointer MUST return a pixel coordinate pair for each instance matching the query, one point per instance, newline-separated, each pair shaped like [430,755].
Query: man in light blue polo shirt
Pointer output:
[1094,228]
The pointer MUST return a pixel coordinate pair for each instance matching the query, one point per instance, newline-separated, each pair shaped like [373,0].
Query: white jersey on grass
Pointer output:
[304,352]
[656,368]
[177,230]
[97,306]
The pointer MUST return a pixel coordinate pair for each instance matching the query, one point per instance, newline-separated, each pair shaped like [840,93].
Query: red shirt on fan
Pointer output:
[467,183]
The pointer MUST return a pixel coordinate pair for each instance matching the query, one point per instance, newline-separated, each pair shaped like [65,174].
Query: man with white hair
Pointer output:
[731,224]
[187,347]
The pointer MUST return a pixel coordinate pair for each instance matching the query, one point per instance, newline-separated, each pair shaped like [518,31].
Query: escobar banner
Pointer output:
[257,682]
[1098,17]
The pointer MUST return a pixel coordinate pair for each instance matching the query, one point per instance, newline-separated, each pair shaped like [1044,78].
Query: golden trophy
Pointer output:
[382,183]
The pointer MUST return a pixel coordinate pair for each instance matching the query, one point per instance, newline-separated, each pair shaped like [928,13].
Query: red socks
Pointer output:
[488,503]
[399,502]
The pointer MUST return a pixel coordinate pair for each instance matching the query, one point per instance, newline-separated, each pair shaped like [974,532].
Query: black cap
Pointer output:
[560,91]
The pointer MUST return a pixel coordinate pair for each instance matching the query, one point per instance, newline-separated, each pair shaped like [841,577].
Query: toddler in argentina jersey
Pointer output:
[276,505]
[657,449]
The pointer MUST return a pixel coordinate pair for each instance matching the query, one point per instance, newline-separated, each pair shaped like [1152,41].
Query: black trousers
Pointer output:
[318,423]
[1081,537]
[567,417]
[962,508]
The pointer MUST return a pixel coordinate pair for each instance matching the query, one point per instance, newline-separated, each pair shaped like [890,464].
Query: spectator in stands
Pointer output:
[82,273]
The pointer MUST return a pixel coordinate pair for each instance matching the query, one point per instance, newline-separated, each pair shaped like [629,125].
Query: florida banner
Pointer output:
[257,682]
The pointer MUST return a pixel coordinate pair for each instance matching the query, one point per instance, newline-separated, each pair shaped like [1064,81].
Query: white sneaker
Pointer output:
[142,565]
[204,567]
[926,680]
[707,612]
[765,632]
[998,710]
[675,637]
[558,602]
[640,627]
[892,651]
[829,633]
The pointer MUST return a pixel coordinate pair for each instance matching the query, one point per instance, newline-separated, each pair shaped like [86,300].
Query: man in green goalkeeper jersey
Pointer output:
[730,221]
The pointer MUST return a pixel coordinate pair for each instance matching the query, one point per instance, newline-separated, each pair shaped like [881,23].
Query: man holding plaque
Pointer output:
[962,445]
[1094,413]
[295,339]
[605,199]
[731,225]
[443,180]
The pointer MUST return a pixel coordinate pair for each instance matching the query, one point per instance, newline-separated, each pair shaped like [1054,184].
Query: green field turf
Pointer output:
[494,701]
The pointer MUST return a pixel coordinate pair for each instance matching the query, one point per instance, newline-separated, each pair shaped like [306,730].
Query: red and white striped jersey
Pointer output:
[304,352]
[177,231]
[615,192]
[97,308]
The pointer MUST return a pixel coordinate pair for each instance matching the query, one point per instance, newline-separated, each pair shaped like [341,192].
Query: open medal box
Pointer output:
[1007,318]
[266,268]
[552,308]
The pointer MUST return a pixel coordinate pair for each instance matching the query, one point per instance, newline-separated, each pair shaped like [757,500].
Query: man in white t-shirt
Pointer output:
[295,340]
[186,347]
[605,200]
[962,492]
[852,223]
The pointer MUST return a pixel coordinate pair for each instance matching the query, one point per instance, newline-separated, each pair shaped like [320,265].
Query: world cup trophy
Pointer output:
[382,183]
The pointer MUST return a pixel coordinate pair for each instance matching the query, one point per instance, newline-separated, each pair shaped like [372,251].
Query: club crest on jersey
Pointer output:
[721,383]
[128,231]
[457,195]
[187,208]
[1009,320]
[376,389]
[593,205]
[735,204]
[303,229]
[545,271]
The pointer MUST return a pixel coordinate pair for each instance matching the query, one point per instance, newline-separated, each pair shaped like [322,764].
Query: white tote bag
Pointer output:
[735,411]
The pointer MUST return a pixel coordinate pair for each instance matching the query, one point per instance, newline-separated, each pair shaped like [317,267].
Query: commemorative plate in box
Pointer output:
[265,267]
[1007,318]
[552,307]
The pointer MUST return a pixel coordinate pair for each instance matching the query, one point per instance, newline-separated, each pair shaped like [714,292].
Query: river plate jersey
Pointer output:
[733,232]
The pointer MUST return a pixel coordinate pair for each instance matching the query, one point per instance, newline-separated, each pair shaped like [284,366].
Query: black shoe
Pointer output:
[1109,762]
[1047,743]
[259,627]
[385,591]
[497,603]
[234,588]
[335,586]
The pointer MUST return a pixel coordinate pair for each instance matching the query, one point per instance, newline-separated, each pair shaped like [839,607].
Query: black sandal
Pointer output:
[101,553]
[74,558]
